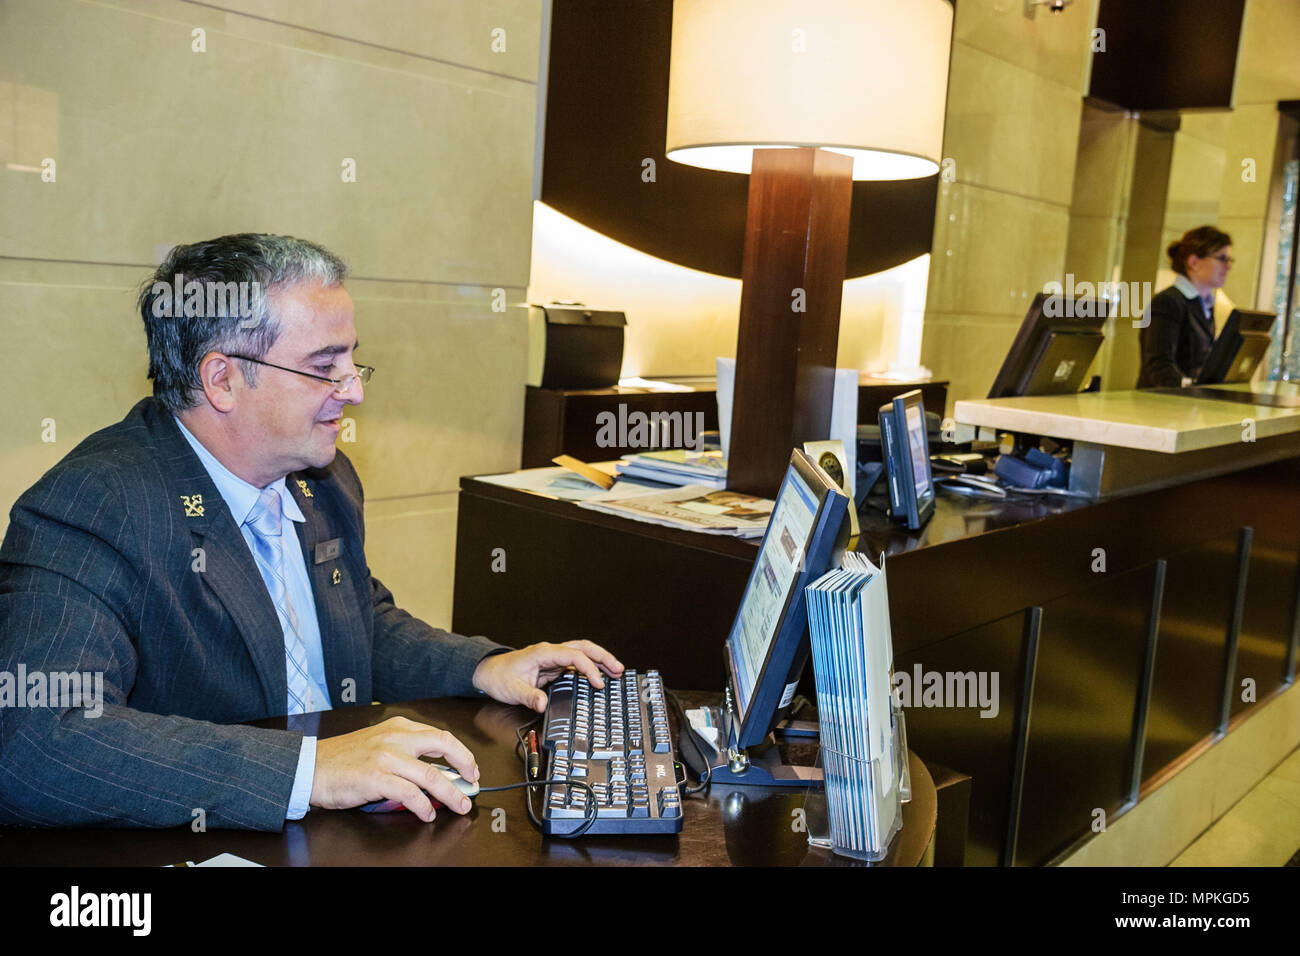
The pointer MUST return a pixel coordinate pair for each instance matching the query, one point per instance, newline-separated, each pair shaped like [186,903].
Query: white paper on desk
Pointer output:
[554,482]
[844,419]
[227,859]
[844,411]
[726,373]
[222,859]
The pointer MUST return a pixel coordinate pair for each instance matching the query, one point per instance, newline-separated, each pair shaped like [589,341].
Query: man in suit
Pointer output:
[1179,332]
[158,556]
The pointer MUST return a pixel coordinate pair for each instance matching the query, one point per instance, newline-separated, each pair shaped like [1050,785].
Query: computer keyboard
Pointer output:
[617,741]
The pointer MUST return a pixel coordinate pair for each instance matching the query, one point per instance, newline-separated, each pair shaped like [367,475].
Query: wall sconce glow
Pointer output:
[680,319]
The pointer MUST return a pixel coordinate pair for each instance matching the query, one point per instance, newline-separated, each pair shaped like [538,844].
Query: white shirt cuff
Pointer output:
[300,799]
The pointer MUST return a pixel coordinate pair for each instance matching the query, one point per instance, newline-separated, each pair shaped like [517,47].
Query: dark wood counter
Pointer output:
[1131,622]
[741,826]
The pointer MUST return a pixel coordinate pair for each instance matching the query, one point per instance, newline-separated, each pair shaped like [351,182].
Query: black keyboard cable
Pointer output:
[521,749]
[689,742]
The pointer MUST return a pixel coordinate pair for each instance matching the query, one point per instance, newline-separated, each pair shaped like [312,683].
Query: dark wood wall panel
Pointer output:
[606,113]
[1266,617]
[960,738]
[1199,587]
[1086,689]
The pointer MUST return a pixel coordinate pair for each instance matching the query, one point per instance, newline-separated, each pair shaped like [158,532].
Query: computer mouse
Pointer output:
[464,786]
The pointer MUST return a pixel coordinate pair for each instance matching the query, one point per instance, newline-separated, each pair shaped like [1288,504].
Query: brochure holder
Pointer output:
[863,733]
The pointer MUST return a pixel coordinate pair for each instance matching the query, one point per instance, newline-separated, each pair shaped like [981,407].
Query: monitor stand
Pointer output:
[763,765]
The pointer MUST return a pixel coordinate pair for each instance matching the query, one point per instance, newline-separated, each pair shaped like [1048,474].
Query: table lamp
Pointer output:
[804,97]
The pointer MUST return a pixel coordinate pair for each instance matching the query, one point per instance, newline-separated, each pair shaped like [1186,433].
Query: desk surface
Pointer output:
[745,826]
[1144,420]
[956,517]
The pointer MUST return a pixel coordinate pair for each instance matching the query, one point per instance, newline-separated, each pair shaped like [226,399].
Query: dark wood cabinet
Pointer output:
[566,421]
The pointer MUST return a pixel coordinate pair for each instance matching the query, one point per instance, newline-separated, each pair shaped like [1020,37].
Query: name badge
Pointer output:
[329,550]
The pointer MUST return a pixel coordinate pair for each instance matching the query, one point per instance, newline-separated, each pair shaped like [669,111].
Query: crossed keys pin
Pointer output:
[193,505]
[302,486]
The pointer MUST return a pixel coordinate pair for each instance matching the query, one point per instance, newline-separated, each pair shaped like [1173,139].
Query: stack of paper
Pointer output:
[848,618]
[692,508]
[677,467]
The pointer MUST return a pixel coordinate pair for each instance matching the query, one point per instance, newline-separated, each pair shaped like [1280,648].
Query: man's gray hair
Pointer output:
[213,296]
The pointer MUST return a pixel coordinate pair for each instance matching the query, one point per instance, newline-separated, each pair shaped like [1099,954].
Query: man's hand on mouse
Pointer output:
[517,676]
[383,763]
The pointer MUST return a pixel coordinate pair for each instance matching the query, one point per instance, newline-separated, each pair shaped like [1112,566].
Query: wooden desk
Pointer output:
[1105,581]
[742,826]
[563,421]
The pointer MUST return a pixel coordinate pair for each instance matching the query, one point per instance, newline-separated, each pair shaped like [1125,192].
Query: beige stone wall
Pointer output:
[1046,187]
[1218,169]
[1002,226]
[1268,70]
[1099,223]
[156,144]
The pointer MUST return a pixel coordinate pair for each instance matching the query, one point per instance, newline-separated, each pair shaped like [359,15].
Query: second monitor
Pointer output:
[1238,349]
[1056,343]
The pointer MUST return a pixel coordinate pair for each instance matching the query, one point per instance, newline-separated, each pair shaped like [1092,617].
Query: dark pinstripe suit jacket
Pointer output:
[98,574]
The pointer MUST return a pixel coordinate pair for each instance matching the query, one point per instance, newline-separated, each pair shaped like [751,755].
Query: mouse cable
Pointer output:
[521,750]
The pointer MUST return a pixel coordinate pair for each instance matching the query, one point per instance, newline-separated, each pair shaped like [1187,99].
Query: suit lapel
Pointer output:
[229,567]
[339,618]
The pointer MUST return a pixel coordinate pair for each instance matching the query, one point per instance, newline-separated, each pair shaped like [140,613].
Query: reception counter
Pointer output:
[1128,632]
[1140,440]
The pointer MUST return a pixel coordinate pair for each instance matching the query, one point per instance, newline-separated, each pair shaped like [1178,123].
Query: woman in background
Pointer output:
[1178,337]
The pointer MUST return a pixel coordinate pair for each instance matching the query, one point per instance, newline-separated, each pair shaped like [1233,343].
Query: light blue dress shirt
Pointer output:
[1184,285]
[240,497]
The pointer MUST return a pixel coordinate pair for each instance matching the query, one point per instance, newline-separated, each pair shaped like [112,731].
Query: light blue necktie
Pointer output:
[266,521]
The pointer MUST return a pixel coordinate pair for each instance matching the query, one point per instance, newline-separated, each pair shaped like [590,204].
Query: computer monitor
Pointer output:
[768,644]
[1238,349]
[907,459]
[1055,345]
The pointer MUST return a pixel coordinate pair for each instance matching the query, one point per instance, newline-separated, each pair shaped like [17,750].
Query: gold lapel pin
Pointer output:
[337,576]
[193,505]
[302,486]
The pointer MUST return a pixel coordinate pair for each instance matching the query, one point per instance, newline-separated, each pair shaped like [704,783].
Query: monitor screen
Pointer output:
[907,459]
[1053,348]
[768,644]
[919,446]
[769,587]
[1238,349]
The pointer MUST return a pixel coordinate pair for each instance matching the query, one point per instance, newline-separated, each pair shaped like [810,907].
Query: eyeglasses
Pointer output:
[1226,260]
[341,385]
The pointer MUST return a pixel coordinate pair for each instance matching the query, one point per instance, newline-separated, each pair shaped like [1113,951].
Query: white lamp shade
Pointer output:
[868,78]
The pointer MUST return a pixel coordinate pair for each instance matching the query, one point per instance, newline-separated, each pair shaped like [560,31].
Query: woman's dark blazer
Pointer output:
[1177,340]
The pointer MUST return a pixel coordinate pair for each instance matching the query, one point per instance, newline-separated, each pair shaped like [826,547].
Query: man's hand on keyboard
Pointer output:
[515,677]
[383,763]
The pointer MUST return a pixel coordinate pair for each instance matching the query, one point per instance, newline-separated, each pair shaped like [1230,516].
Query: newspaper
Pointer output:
[692,508]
